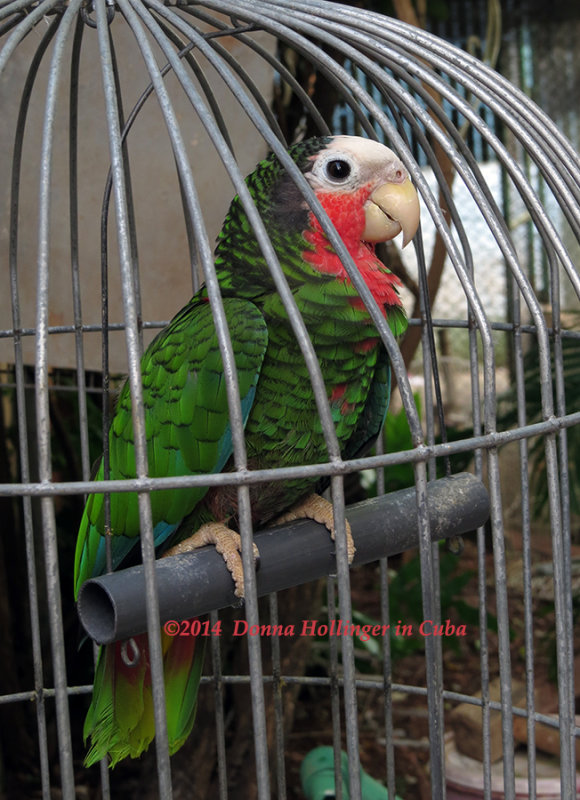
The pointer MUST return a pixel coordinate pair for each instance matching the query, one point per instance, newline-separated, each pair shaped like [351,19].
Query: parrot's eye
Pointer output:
[338,170]
[335,171]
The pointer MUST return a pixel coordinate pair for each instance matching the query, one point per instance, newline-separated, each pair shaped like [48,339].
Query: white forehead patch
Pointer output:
[348,163]
[362,149]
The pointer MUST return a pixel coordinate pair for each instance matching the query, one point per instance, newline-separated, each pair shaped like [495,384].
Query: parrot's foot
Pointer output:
[320,510]
[227,543]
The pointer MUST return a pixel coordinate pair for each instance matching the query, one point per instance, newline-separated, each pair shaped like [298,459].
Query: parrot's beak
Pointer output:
[392,208]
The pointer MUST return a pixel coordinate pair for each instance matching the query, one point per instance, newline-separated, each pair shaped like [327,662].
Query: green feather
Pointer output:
[182,672]
[186,418]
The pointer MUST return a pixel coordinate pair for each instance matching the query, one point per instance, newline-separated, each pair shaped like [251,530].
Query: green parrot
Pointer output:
[367,194]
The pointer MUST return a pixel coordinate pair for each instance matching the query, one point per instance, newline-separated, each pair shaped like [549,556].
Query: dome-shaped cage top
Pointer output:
[127,129]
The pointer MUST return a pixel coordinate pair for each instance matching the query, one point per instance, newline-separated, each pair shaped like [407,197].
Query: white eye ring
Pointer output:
[336,169]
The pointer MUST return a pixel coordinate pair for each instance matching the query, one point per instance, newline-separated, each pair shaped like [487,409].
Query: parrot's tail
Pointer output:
[120,720]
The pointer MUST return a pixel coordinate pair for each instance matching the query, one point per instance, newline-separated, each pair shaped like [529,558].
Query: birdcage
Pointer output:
[126,129]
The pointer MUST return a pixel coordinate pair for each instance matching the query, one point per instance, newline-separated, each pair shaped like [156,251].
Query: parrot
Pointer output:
[366,192]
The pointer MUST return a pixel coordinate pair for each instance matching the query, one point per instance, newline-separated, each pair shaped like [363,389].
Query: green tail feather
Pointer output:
[120,720]
[182,676]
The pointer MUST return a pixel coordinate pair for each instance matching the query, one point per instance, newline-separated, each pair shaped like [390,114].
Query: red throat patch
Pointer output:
[348,216]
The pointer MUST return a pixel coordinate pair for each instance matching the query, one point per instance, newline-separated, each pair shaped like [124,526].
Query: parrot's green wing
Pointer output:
[187,425]
[371,420]
[373,416]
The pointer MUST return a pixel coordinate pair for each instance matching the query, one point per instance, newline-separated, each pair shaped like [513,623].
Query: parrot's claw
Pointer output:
[320,510]
[227,543]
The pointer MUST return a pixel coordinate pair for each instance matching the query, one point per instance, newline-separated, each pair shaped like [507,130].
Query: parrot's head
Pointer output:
[364,189]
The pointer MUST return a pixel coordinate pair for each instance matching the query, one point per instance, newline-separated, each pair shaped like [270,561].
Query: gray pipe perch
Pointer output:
[111,607]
